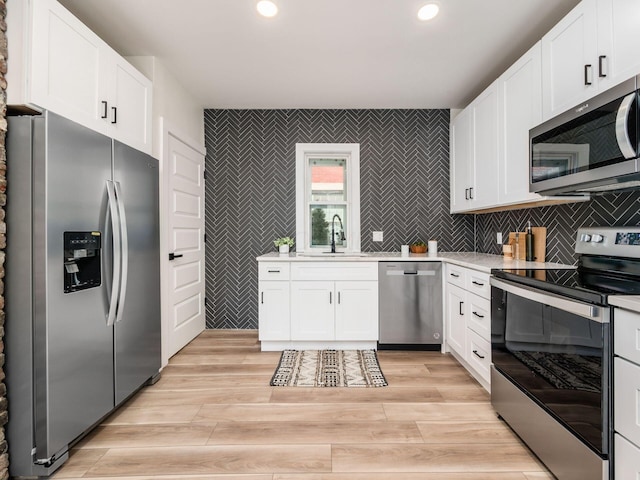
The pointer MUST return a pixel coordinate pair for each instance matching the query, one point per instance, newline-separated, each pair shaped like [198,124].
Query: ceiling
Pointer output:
[326,53]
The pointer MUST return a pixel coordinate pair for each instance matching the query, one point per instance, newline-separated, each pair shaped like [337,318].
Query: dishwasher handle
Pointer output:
[419,273]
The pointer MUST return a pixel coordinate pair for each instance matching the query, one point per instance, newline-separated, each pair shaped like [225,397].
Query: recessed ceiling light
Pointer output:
[429,11]
[267,8]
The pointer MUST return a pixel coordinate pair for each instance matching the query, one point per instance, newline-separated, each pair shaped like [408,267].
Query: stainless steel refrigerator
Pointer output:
[82,284]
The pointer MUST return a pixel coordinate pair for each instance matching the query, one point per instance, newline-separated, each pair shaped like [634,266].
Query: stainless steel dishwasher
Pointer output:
[410,297]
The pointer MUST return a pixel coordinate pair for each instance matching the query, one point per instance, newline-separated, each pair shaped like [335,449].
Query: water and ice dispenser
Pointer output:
[82,260]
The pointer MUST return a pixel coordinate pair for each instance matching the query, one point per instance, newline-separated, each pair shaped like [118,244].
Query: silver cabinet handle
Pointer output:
[470,193]
[477,283]
[262,298]
[478,355]
[338,298]
[466,194]
[330,297]
[454,275]
[273,271]
[460,308]
[622,132]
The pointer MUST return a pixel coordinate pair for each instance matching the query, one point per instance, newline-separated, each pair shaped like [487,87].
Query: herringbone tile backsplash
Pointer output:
[562,223]
[250,191]
[250,194]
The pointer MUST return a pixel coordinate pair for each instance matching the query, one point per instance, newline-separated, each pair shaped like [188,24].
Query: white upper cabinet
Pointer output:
[462,160]
[64,67]
[474,154]
[569,60]
[590,50]
[618,40]
[520,109]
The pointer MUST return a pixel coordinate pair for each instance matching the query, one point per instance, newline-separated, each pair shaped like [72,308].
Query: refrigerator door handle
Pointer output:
[124,242]
[115,228]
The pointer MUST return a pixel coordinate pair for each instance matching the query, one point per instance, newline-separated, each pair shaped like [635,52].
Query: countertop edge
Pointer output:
[483,262]
[628,302]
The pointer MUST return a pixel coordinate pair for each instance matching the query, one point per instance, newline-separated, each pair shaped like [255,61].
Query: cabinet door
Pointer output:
[569,69]
[273,311]
[483,181]
[312,311]
[626,459]
[618,40]
[66,59]
[356,311]
[130,105]
[461,160]
[520,109]
[456,320]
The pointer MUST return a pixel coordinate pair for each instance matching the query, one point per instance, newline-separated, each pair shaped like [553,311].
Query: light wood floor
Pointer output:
[213,415]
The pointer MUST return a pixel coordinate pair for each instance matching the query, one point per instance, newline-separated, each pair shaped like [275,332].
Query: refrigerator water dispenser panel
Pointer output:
[82,261]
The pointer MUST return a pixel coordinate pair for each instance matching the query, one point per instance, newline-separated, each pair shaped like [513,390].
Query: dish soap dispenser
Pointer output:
[529,244]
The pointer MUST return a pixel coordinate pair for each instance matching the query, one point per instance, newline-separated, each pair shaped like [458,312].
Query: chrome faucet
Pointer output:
[333,232]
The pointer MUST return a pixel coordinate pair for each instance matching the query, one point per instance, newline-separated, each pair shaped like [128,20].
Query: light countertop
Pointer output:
[478,261]
[628,302]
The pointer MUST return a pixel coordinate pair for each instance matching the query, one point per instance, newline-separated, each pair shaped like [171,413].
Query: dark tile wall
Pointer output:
[250,191]
[562,223]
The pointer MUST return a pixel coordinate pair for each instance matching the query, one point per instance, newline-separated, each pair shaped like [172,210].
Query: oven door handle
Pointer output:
[592,312]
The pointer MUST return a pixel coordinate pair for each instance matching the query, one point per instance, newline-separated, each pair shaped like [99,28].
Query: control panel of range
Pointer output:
[615,241]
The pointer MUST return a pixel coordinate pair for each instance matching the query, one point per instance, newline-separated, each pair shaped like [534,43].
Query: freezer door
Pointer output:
[137,328]
[73,347]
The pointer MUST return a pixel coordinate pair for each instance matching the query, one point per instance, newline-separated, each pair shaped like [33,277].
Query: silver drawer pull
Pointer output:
[454,275]
[273,271]
[481,357]
[478,283]
[478,315]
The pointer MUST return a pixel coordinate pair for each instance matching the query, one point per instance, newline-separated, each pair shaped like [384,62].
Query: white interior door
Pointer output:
[185,278]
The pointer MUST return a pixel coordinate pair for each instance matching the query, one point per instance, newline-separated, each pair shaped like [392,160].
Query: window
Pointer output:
[327,196]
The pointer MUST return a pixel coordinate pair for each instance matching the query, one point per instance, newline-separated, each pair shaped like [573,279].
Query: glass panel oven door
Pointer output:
[555,350]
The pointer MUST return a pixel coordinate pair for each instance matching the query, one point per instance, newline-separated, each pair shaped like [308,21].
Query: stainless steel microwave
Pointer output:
[592,148]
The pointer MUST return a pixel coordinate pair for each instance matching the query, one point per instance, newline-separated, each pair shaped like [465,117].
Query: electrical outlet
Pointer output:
[377,236]
[499,237]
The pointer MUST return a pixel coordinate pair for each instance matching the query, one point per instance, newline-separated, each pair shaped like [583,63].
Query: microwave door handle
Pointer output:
[622,132]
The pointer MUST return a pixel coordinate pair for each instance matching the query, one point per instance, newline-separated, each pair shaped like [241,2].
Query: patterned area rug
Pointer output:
[328,368]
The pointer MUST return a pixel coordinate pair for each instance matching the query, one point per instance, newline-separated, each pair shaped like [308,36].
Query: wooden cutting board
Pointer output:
[539,244]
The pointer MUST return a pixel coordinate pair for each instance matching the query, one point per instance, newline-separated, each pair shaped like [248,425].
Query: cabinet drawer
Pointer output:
[626,392]
[626,460]
[273,271]
[627,335]
[479,316]
[334,271]
[456,275]
[478,283]
[479,354]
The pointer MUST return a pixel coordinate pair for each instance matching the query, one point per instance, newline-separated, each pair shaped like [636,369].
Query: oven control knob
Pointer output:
[597,238]
[585,237]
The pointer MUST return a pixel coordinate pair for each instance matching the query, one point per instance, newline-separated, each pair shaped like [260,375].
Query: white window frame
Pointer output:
[349,151]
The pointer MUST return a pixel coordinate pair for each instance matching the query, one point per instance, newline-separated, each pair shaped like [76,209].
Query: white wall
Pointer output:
[172,102]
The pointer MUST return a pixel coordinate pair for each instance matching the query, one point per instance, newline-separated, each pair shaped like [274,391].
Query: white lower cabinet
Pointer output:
[273,311]
[468,319]
[626,394]
[274,317]
[312,308]
[318,305]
